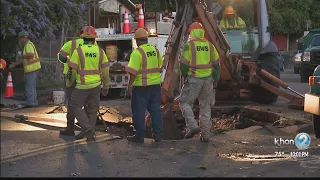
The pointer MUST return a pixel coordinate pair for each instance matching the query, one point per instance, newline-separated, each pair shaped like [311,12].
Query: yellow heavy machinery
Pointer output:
[249,64]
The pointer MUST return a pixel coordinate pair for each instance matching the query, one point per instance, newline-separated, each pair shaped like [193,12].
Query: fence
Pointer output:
[50,74]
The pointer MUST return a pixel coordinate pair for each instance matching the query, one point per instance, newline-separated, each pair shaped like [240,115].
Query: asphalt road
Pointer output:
[33,150]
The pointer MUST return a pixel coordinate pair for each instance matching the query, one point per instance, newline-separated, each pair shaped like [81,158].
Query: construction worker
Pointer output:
[200,67]
[90,65]
[144,87]
[31,63]
[65,53]
[230,20]
[3,65]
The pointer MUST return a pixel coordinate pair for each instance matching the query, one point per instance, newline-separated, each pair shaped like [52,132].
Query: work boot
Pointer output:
[135,139]
[67,132]
[157,138]
[192,132]
[90,136]
[81,135]
[204,138]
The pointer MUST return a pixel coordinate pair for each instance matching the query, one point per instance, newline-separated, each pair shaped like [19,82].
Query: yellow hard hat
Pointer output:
[229,10]
[141,33]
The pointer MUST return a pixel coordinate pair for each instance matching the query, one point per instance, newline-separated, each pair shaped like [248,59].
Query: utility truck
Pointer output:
[118,48]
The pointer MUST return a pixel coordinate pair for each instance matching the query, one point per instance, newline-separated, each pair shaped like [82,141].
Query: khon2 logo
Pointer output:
[302,141]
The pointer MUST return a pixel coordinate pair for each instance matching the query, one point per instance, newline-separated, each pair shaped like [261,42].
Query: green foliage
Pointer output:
[289,17]
[315,14]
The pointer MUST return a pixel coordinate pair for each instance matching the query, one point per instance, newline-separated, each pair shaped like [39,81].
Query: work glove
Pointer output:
[69,74]
[105,91]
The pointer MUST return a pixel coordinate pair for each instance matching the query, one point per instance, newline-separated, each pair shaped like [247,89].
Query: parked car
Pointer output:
[312,100]
[311,55]
[281,62]
[296,62]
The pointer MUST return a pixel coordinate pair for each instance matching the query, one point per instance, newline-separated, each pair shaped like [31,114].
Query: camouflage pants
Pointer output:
[203,91]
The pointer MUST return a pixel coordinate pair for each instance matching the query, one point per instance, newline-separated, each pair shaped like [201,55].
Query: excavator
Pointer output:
[248,57]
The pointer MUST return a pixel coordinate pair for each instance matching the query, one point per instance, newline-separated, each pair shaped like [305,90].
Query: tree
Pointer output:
[289,17]
[40,18]
[315,14]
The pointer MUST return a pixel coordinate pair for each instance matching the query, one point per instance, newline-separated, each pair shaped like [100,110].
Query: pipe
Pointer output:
[120,18]
[277,81]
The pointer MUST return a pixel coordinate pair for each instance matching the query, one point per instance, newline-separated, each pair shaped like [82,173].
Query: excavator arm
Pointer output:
[188,11]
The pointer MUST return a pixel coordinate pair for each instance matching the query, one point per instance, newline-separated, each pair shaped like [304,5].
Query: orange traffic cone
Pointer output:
[9,89]
[141,18]
[126,25]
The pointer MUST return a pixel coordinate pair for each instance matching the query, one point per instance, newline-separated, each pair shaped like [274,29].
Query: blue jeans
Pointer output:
[31,88]
[147,98]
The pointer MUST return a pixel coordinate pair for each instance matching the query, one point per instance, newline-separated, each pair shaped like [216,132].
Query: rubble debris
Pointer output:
[57,109]
[202,167]
[11,107]
[75,174]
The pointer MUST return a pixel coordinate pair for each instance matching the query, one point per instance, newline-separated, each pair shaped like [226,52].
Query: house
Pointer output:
[109,13]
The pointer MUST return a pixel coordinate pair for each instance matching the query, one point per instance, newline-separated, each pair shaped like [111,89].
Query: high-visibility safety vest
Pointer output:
[200,56]
[67,50]
[145,63]
[88,60]
[0,66]
[31,65]
[237,22]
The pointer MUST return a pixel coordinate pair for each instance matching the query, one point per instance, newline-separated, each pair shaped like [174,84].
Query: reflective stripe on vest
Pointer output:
[66,68]
[63,53]
[226,22]
[73,46]
[28,62]
[82,72]
[194,66]
[144,67]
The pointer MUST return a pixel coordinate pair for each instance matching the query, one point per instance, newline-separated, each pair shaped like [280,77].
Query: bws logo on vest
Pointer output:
[151,53]
[202,48]
[91,55]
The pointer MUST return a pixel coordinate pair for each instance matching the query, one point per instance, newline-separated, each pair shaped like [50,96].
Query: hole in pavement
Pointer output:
[224,119]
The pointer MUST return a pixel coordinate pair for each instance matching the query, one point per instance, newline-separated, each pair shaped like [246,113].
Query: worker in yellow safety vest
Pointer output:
[31,63]
[63,55]
[144,67]
[231,21]
[200,67]
[90,65]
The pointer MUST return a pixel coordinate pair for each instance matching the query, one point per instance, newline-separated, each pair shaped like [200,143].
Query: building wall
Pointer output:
[113,6]
[281,42]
